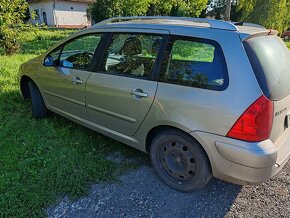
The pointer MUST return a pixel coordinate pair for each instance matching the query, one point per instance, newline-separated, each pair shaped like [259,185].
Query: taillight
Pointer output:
[255,124]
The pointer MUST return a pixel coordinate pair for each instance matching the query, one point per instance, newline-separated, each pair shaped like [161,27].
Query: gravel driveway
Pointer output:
[141,194]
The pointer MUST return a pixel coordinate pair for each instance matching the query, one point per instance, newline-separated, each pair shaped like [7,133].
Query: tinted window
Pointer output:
[77,54]
[270,59]
[131,55]
[196,63]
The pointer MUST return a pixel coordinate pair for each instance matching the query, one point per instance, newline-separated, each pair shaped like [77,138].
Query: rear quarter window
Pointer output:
[270,60]
[196,63]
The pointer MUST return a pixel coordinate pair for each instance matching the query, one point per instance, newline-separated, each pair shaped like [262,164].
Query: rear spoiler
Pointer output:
[263,32]
[273,32]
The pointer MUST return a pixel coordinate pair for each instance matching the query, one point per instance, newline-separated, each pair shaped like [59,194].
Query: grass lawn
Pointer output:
[288,44]
[44,160]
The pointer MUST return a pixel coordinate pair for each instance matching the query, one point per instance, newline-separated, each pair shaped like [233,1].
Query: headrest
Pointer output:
[132,46]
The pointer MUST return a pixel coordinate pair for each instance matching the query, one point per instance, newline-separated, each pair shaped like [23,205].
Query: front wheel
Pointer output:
[37,104]
[180,161]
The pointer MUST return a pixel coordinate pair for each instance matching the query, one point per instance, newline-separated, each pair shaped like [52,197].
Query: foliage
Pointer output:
[102,9]
[12,12]
[45,160]
[191,8]
[273,14]
[217,9]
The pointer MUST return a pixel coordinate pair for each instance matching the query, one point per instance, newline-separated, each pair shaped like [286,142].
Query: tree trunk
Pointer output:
[228,10]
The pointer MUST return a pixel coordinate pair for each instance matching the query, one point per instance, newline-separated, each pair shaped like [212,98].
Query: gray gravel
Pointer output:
[141,194]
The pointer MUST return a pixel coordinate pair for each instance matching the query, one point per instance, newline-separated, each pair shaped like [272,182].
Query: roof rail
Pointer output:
[215,24]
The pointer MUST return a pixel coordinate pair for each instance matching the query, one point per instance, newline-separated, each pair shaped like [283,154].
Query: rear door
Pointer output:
[121,91]
[270,59]
[67,70]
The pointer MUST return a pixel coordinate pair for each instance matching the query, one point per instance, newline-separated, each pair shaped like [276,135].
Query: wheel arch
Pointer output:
[24,88]
[152,133]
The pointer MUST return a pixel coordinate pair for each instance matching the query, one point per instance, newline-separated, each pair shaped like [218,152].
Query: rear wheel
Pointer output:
[37,104]
[180,161]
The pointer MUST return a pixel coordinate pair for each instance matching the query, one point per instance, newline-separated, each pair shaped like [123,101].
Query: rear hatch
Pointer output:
[270,60]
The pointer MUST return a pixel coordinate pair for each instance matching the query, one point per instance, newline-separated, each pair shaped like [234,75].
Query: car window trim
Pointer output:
[157,64]
[100,51]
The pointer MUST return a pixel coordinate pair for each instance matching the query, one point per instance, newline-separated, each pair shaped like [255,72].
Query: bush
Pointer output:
[12,12]
[9,41]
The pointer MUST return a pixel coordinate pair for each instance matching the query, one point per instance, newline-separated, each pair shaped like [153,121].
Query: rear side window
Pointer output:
[270,60]
[195,62]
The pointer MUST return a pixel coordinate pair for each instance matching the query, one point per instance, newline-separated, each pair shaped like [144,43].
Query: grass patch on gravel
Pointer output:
[44,160]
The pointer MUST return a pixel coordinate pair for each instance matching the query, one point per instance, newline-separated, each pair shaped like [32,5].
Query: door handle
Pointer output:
[138,93]
[77,81]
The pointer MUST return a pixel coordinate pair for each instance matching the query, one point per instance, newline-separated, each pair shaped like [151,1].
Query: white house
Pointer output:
[61,13]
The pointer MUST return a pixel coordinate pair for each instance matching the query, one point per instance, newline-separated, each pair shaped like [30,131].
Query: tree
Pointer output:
[273,14]
[12,12]
[228,10]
[218,9]
[103,9]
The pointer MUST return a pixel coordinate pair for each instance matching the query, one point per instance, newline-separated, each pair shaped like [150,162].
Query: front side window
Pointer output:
[78,54]
[131,55]
[196,63]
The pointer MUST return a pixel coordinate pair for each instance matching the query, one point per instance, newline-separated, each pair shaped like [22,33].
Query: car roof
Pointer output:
[175,25]
[171,23]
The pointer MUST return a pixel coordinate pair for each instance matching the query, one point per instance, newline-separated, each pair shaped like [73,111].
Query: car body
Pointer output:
[140,80]
[286,35]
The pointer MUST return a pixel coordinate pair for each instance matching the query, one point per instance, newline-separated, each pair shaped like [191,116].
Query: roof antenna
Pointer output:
[241,23]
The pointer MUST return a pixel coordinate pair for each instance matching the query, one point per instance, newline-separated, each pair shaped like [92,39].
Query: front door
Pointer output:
[120,94]
[64,83]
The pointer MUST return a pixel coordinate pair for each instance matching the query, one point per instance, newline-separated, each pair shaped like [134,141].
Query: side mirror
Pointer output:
[49,61]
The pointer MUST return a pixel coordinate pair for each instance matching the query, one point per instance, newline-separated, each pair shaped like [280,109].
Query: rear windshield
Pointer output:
[270,59]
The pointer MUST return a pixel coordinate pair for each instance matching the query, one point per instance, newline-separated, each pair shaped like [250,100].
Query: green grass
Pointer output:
[288,44]
[44,160]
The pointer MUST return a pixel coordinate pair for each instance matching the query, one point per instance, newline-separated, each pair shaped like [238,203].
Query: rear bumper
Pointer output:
[243,162]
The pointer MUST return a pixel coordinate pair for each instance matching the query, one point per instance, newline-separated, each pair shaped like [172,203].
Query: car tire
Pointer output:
[286,38]
[37,104]
[180,161]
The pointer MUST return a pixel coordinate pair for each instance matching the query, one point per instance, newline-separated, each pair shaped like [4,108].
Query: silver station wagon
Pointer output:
[204,97]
